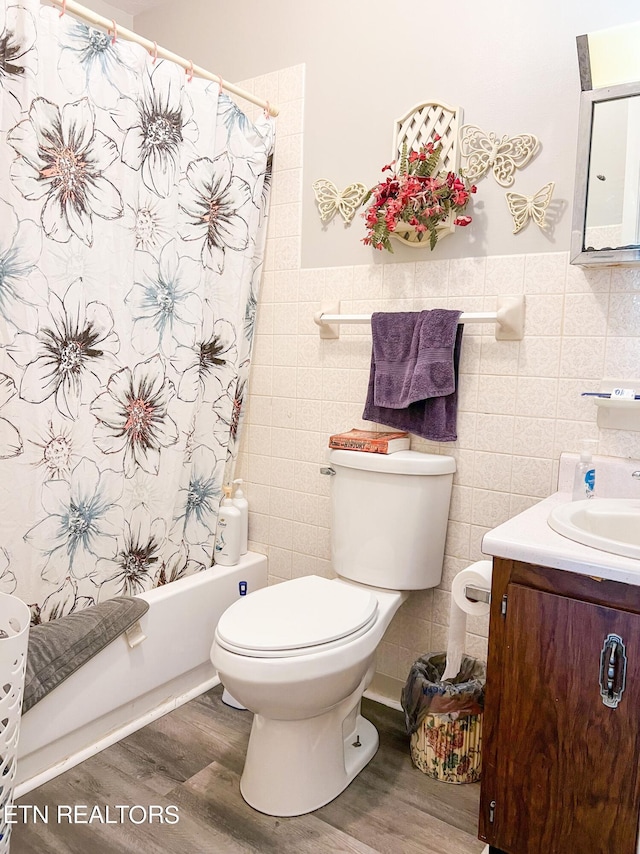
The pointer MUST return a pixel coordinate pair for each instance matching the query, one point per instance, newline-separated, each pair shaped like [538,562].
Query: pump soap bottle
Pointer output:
[584,480]
[226,551]
[242,504]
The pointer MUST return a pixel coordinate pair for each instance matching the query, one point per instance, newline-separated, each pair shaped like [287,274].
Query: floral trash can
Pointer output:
[14,635]
[444,719]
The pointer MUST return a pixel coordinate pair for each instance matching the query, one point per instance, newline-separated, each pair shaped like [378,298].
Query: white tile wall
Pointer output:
[520,402]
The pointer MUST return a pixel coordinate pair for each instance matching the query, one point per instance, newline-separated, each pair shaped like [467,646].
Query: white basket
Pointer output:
[14,620]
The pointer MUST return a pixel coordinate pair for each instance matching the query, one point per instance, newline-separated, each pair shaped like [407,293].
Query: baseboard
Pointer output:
[386,690]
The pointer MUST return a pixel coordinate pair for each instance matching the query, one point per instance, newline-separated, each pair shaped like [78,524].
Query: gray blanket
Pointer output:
[57,649]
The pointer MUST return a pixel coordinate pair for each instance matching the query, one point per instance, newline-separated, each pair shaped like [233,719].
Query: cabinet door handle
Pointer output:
[613,670]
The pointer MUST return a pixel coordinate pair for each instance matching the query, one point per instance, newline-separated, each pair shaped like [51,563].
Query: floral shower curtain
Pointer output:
[133,207]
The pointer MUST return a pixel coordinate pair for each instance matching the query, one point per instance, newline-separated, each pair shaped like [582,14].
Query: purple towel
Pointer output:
[433,417]
[413,354]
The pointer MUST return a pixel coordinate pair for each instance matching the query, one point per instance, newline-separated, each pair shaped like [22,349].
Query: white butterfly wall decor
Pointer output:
[523,207]
[330,199]
[504,155]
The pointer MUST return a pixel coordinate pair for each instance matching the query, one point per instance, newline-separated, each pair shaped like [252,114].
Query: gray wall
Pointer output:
[109,11]
[512,67]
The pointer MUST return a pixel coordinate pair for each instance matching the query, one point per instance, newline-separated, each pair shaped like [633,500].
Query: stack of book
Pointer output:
[371,442]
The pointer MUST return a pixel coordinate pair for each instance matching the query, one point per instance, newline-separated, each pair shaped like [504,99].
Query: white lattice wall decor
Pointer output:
[14,635]
[417,127]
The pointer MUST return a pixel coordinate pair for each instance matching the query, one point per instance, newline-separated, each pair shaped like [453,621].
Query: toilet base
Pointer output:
[295,767]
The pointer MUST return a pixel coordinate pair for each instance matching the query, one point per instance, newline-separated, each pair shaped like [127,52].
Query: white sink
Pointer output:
[609,524]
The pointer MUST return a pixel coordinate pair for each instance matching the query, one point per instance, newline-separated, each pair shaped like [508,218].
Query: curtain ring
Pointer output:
[64,8]
[189,71]
[219,84]
[267,110]
[114,27]
[154,54]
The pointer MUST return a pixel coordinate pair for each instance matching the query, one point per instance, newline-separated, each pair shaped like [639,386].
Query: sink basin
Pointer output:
[609,524]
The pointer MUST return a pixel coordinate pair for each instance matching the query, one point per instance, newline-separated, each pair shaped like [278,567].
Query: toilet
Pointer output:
[300,654]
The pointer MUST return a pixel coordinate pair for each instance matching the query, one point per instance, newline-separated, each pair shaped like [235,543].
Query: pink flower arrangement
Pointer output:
[415,195]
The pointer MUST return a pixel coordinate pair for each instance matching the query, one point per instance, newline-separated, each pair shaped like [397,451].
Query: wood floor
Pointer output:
[192,758]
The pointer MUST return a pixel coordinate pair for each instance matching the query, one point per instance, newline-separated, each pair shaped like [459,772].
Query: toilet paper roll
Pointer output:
[476,575]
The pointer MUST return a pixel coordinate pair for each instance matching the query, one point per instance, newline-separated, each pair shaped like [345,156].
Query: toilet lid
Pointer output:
[298,614]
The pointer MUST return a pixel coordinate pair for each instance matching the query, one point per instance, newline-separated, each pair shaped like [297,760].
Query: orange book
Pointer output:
[368,440]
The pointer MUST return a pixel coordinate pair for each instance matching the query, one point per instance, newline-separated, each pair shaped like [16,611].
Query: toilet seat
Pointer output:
[297,617]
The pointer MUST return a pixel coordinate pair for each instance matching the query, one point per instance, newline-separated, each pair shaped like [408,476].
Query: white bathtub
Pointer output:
[122,688]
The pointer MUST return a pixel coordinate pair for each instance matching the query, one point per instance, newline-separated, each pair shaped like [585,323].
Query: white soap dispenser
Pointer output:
[584,480]
[242,504]
[226,551]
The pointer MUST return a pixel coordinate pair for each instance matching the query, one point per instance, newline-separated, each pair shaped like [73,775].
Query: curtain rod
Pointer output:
[121,32]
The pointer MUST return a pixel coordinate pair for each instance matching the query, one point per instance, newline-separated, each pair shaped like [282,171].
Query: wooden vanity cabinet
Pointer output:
[560,769]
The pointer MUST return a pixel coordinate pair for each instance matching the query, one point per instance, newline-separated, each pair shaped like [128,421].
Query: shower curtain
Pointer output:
[133,203]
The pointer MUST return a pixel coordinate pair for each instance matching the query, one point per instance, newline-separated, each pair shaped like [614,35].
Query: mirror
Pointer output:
[606,211]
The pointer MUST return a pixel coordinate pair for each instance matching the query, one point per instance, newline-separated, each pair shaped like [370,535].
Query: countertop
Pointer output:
[528,537]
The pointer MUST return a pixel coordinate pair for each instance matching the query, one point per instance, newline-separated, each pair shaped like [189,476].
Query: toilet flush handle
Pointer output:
[327,470]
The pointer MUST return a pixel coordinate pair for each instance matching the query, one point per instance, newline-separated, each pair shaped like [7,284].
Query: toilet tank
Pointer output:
[389,517]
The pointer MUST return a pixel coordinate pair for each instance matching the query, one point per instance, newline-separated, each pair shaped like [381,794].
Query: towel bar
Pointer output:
[508,318]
